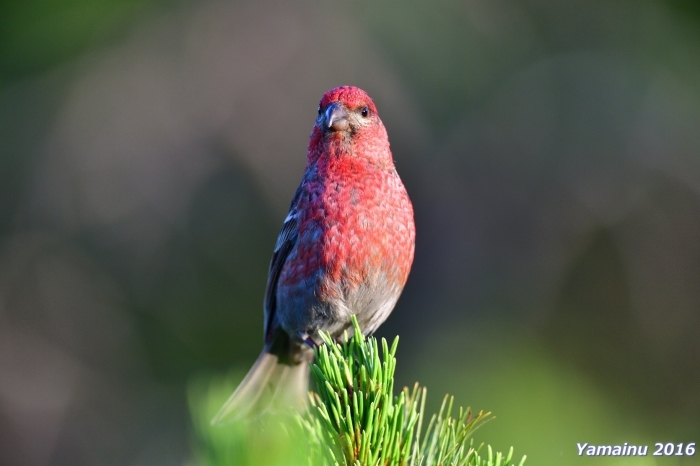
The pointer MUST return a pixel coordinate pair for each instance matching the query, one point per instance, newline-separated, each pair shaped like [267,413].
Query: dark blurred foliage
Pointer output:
[149,150]
[40,34]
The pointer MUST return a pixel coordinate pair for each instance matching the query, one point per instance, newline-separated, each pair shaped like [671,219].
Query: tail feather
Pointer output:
[269,383]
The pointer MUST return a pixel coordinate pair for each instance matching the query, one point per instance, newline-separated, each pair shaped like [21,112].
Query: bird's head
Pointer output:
[346,109]
[348,123]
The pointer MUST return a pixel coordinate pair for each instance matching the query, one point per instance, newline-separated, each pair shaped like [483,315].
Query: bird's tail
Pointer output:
[269,383]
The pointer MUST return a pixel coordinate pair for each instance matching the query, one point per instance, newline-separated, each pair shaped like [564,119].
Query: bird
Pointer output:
[345,248]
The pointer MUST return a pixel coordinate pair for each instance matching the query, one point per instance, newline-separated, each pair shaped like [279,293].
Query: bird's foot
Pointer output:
[307,339]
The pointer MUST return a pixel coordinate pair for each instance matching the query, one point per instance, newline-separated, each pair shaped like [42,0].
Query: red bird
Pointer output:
[345,248]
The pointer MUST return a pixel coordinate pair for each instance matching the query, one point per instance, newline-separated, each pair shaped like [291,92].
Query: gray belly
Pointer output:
[306,310]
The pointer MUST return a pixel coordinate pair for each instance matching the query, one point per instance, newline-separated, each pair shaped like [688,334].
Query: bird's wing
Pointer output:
[285,242]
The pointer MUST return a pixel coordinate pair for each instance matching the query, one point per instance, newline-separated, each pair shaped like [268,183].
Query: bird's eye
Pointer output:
[319,109]
[364,112]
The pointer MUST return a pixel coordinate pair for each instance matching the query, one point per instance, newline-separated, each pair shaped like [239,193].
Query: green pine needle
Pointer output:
[355,419]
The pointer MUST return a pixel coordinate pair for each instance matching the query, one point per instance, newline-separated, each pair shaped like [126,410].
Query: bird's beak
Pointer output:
[336,118]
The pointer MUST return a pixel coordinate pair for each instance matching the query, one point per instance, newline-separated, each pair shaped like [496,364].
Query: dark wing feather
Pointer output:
[285,242]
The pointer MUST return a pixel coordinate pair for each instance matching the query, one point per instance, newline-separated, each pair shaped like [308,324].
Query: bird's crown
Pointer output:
[350,96]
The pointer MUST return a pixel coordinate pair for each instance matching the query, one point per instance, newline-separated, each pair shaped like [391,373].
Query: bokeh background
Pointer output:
[149,150]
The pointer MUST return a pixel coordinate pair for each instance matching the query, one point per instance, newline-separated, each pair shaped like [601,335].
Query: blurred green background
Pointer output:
[149,150]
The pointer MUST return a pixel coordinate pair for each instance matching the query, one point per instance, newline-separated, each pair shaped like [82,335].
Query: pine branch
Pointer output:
[353,419]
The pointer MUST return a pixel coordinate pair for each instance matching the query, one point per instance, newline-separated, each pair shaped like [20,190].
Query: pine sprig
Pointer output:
[355,419]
